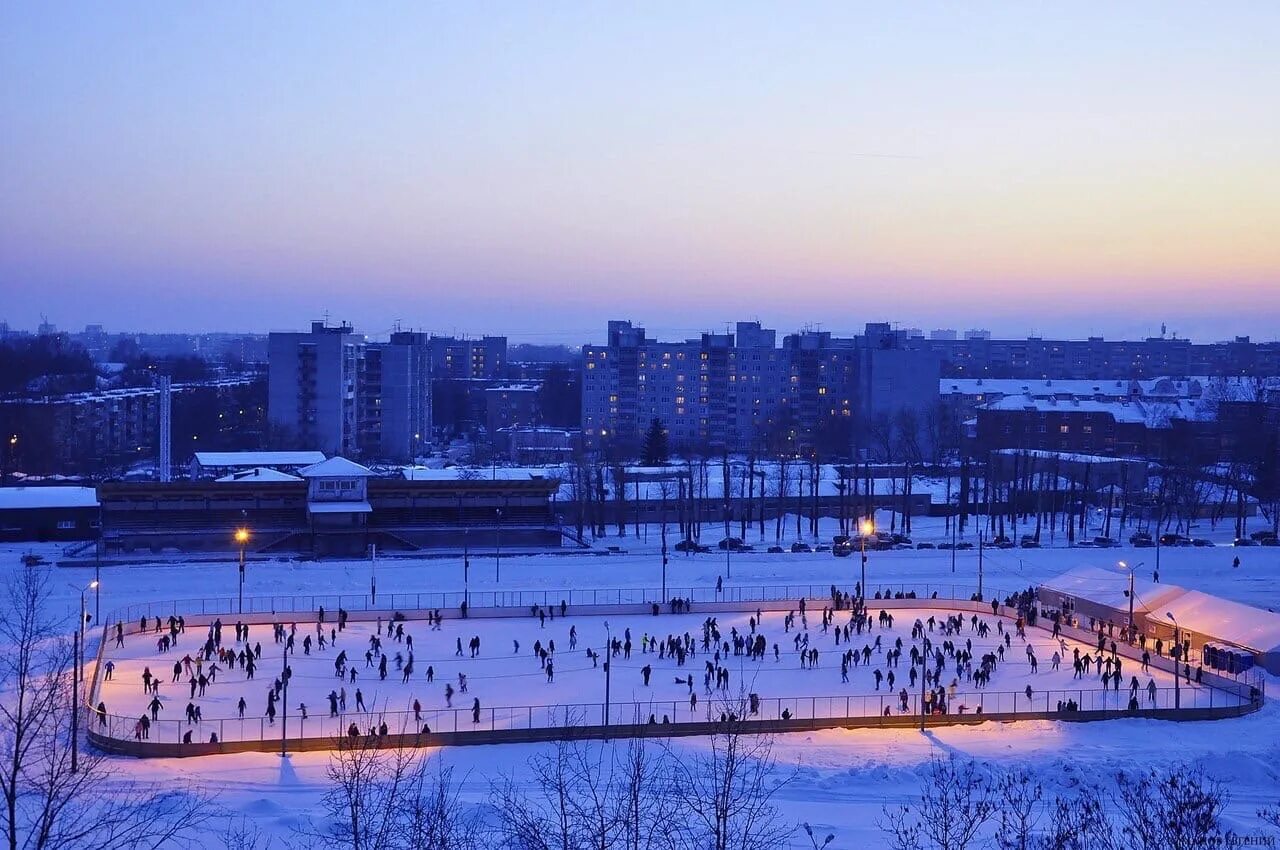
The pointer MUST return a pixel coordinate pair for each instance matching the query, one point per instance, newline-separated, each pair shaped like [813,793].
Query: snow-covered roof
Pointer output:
[336,467]
[1069,457]
[1109,588]
[1024,386]
[259,473]
[1233,622]
[34,498]
[1155,414]
[454,473]
[252,459]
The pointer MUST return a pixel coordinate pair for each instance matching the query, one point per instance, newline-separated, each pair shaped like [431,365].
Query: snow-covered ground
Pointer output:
[857,770]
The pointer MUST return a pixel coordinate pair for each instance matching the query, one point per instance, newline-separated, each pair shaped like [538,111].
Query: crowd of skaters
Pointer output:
[855,631]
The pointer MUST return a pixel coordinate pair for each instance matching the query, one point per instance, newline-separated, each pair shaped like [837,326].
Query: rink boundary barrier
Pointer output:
[1247,698]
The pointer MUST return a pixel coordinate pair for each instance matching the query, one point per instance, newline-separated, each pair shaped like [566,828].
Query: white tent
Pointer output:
[1224,621]
[1104,594]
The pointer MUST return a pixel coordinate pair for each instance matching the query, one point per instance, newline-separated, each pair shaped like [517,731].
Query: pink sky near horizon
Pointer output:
[493,168]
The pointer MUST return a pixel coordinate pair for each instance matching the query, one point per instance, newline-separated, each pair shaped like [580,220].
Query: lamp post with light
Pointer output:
[77,676]
[242,540]
[1131,570]
[867,528]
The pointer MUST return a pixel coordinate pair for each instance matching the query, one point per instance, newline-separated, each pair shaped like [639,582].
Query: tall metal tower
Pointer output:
[166,430]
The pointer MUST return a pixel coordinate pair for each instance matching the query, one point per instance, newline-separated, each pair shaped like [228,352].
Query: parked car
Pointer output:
[926,545]
[1104,542]
[776,550]
[1200,541]
[900,538]
[1029,542]
[1270,541]
[729,543]
[842,548]
[1262,535]
[1141,540]
[822,547]
[690,546]
[946,546]
[964,544]
[1174,540]
[800,546]
[1244,541]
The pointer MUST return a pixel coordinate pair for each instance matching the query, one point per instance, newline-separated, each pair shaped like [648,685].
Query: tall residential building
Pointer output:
[452,357]
[396,398]
[312,387]
[741,392]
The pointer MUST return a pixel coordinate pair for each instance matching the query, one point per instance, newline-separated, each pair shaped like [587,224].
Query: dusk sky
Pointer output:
[538,168]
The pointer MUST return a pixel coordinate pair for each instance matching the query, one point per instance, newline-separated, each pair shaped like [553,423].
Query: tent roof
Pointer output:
[1109,588]
[1234,622]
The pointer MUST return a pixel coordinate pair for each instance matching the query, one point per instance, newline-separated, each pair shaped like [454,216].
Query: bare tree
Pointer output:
[728,788]
[47,805]
[390,799]
[1174,809]
[956,802]
[1022,807]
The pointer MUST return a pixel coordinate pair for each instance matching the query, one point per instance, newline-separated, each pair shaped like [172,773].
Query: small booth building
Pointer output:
[338,506]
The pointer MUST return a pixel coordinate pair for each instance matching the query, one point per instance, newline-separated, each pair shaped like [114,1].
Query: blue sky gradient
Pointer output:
[538,168]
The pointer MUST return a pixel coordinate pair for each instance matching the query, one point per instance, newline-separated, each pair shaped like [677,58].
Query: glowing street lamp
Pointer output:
[867,528]
[242,539]
[77,677]
[1131,571]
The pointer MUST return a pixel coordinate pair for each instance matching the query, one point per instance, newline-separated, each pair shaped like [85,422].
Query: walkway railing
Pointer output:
[228,606]
[850,709]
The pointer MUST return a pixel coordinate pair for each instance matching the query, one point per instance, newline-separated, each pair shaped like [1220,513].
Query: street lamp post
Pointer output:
[466,569]
[77,677]
[867,528]
[242,539]
[1177,643]
[284,701]
[924,666]
[497,561]
[608,653]
[1132,625]
[664,562]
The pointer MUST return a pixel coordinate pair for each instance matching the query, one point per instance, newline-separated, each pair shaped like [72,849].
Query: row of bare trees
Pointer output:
[962,805]
[576,795]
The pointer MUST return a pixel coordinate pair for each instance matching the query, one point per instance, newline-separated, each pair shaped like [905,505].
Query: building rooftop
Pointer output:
[256,459]
[35,498]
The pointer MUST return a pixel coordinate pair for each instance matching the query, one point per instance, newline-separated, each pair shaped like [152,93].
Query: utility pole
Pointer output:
[924,666]
[284,701]
[75,700]
[981,537]
[664,562]
[1177,652]
[497,563]
[466,569]
[608,654]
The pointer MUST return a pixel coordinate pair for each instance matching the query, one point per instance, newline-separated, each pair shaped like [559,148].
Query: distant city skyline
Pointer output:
[536,170]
